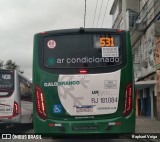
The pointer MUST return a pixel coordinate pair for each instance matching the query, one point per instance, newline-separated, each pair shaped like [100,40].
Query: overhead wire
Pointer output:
[105,13]
[85,14]
[95,13]
[99,13]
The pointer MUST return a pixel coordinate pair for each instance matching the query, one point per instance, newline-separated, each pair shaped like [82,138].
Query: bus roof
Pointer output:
[81,30]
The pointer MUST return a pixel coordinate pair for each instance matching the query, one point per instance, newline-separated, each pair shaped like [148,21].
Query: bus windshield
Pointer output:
[6,80]
[82,51]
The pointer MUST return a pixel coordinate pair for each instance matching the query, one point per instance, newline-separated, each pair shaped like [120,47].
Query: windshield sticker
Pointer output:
[51,61]
[110,52]
[110,84]
[51,44]
[57,108]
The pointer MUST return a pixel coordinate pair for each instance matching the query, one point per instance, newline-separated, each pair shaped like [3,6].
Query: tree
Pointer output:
[1,64]
[10,65]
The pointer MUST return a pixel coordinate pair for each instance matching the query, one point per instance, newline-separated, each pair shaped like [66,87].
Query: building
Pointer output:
[142,19]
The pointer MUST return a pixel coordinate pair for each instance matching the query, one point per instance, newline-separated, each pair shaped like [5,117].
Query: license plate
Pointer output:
[80,128]
[84,109]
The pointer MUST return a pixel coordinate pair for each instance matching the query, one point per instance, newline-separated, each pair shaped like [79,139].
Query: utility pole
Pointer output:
[124,14]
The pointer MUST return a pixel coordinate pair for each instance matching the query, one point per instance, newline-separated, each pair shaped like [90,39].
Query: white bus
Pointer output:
[15,98]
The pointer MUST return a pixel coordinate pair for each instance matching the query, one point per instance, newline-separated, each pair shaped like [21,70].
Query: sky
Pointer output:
[21,19]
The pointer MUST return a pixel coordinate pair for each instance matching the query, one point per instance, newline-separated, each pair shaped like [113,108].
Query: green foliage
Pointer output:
[1,64]
[10,65]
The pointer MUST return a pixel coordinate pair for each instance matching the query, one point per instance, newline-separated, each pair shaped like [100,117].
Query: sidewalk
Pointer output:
[147,125]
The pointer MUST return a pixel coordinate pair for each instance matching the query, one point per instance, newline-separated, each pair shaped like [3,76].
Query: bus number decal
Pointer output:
[6,76]
[106,41]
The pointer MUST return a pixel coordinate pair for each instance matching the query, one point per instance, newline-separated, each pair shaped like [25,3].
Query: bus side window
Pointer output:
[25,89]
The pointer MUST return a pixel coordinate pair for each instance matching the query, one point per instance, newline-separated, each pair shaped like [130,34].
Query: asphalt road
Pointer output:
[28,129]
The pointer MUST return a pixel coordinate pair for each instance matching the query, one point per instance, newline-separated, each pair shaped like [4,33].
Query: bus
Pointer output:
[83,82]
[16,106]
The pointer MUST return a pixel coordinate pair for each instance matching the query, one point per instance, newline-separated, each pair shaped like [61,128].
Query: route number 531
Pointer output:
[106,41]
